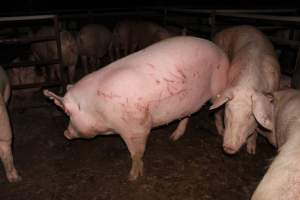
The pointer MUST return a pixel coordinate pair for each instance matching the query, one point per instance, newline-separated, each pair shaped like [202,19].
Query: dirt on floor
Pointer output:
[194,167]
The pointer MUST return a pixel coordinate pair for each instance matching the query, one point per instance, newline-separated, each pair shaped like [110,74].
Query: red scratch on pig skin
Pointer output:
[168,80]
[140,107]
[107,95]
[150,65]
[181,73]
[157,82]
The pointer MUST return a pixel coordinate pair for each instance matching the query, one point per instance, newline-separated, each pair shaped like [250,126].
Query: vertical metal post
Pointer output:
[165,16]
[296,72]
[212,22]
[59,53]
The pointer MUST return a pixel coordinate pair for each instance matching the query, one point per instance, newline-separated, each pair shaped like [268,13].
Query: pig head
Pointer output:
[81,124]
[243,108]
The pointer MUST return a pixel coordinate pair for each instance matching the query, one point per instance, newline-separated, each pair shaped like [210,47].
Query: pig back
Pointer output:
[93,40]
[149,33]
[171,79]
[252,56]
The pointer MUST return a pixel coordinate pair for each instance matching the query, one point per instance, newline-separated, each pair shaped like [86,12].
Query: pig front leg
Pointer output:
[180,129]
[135,136]
[251,143]
[5,145]
[219,121]
[136,144]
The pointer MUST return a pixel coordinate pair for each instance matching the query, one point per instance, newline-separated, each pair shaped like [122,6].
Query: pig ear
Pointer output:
[69,86]
[57,99]
[262,108]
[221,99]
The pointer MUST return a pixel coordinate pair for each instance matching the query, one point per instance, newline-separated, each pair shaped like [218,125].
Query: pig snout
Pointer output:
[70,135]
[231,145]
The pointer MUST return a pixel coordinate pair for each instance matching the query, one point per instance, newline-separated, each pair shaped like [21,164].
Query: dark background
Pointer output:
[13,6]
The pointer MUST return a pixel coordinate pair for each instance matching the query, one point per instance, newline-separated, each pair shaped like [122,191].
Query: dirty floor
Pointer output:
[194,167]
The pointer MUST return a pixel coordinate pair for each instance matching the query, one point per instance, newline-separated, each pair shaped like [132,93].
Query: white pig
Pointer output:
[282,117]
[47,50]
[6,132]
[254,69]
[93,41]
[167,81]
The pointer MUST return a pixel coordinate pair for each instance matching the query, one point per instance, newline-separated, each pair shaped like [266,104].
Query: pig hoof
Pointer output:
[176,135]
[136,171]
[134,177]
[14,177]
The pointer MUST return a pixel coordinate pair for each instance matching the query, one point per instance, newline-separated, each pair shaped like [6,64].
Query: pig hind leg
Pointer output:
[219,121]
[8,162]
[180,129]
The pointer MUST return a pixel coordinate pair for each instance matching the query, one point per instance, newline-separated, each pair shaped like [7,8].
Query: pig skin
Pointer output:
[282,180]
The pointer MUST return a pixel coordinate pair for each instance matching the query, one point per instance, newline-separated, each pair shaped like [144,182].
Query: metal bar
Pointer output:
[35,85]
[158,8]
[59,52]
[280,41]
[26,18]
[262,17]
[212,22]
[297,63]
[208,11]
[26,40]
[30,63]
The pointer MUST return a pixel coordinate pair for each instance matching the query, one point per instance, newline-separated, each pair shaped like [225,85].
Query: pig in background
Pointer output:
[280,112]
[132,35]
[285,82]
[254,69]
[93,41]
[164,82]
[46,51]
[25,75]
[6,131]
[288,55]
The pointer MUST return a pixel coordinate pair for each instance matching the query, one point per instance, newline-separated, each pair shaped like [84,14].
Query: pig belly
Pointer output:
[178,106]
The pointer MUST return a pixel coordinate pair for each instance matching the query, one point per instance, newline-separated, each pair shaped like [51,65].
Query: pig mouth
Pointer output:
[230,150]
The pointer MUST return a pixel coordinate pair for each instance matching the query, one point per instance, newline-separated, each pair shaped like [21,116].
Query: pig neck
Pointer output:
[247,69]
[282,180]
